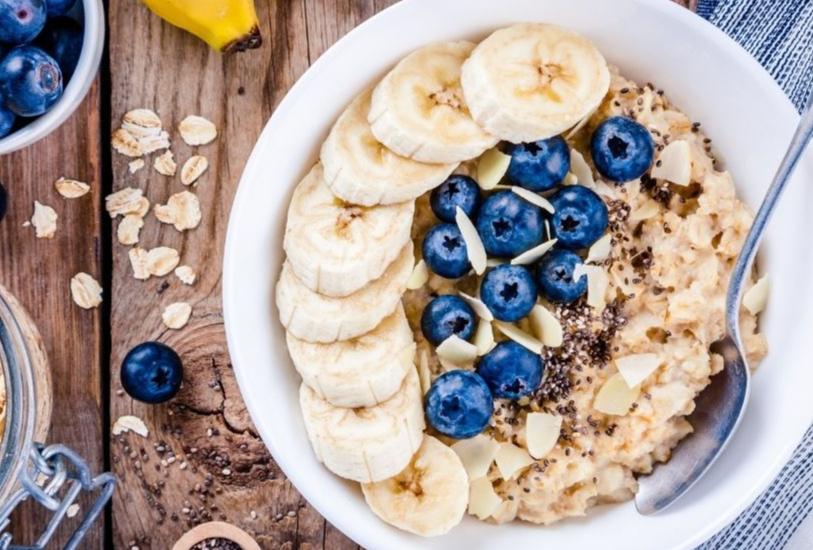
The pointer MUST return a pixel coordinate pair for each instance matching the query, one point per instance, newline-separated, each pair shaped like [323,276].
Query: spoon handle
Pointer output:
[803,135]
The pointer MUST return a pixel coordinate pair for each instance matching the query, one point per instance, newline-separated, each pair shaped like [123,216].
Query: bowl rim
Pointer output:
[77,88]
[231,268]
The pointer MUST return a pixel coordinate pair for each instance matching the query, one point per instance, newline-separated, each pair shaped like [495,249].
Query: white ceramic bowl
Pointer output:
[708,76]
[77,88]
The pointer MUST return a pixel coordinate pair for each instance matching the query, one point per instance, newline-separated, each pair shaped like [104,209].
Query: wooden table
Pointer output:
[214,465]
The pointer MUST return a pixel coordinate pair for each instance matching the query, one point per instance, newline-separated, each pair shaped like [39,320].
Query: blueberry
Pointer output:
[30,81]
[511,370]
[459,404]
[509,225]
[554,276]
[21,20]
[62,39]
[7,119]
[539,166]
[580,219]
[152,372]
[447,315]
[58,7]
[444,251]
[456,191]
[509,292]
[622,149]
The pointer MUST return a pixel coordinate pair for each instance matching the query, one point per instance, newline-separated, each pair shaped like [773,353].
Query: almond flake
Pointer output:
[181,210]
[494,262]
[597,283]
[474,244]
[533,198]
[546,327]
[196,130]
[476,454]
[457,351]
[126,144]
[483,338]
[649,209]
[141,123]
[136,165]
[601,249]
[130,424]
[419,277]
[675,163]
[541,433]
[138,259]
[128,229]
[162,260]
[637,368]
[44,221]
[616,397]
[580,169]
[756,298]
[126,201]
[491,168]
[193,169]
[71,189]
[150,144]
[519,336]
[512,460]
[478,306]
[570,179]
[86,291]
[534,254]
[186,274]
[483,499]
[165,164]
[176,315]
[424,374]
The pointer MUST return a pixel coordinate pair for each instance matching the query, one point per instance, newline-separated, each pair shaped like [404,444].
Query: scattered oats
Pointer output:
[162,260]
[126,144]
[182,210]
[126,201]
[176,315]
[86,291]
[138,259]
[143,207]
[253,514]
[129,228]
[197,130]
[186,274]
[27,223]
[71,189]
[141,123]
[72,510]
[130,424]
[165,164]
[136,165]
[44,221]
[226,472]
[151,144]
[193,169]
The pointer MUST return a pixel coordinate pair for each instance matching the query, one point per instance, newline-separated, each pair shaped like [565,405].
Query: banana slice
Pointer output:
[419,111]
[429,497]
[532,81]
[366,445]
[360,170]
[315,317]
[362,372]
[336,248]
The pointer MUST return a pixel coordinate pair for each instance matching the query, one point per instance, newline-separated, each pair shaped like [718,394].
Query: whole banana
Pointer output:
[226,25]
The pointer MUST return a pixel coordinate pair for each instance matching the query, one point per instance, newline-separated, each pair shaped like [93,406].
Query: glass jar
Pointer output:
[53,476]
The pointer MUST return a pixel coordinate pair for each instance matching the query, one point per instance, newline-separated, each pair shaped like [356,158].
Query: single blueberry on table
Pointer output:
[580,217]
[509,292]
[30,81]
[7,119]
[459,404]
[541,165]
[445,252]
[21,20]
[456,191]
[152,373]
[446,316]
[62,38]
[58,7]
[554,276]
[511,370]
[622,149]
[509,225]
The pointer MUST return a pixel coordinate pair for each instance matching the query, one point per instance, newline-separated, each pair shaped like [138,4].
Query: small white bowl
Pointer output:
[77,88]
[707,75]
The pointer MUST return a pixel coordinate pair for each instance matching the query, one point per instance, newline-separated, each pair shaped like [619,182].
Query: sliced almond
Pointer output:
[186,274]
[138,260]
[519,336]
[601,249]
[512,460]
[141,123]
[126,144]
[494,262]
[193,169]
[637,367]
[424,374]
[616,397]
[165,164]
[597,283]
[483,337]
[570,179]
[546,326]
[71,189]
[419,277]
[483,499]
[674,163]
[530,256]
[182,210]
[491,168]
[196,130]
[44,221]
[86,291]
[648,210]
[162,260]
[129,228]
[541,433]
[474,244]
[136,165]
[125,201]
[582,170]
[150,144]
[478,306]
[130,424]
[756,298]
[476,454]
[457,350]
[176,315]
[533,198]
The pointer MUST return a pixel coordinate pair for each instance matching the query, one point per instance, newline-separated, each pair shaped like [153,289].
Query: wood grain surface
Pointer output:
[202,460]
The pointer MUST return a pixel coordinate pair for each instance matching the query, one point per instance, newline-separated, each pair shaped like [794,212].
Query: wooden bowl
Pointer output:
[216,530]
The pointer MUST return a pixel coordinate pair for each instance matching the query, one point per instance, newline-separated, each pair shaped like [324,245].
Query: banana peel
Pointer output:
[226,25]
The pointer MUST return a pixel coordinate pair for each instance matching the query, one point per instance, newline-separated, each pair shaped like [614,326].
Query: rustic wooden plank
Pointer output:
[38,273]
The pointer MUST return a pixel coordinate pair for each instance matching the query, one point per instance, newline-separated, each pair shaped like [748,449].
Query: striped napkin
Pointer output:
[779,34]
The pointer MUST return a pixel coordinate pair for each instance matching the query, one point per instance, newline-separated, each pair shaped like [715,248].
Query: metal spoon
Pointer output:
[721,405]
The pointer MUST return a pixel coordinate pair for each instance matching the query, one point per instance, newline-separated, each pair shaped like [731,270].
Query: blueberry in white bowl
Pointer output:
[447,316]
[21,20]
[62,38]
[509,292]
[622,149]
[445,252]
[457,191]
[30,81]
[152,373]
[555,276]
[58,7]
[7,119]
[511,370]
[580,217]
[539,166]
[509,225]
[459,404]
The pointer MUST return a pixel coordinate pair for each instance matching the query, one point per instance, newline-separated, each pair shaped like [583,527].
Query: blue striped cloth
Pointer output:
[779,33]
